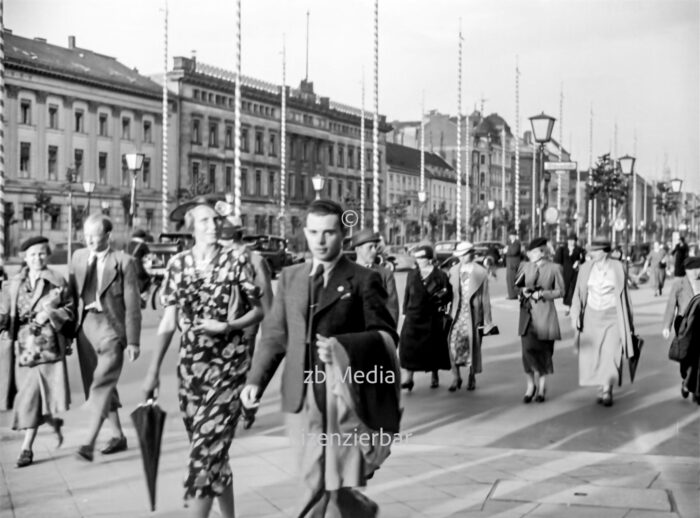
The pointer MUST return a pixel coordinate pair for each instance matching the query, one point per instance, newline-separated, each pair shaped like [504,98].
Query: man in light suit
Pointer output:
[346,328]
[105,286]
[365,243]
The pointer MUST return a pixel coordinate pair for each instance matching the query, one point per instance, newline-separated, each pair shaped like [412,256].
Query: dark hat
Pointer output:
[230,227]
[212,200]
[537,243]
[600,243]
[572,236]
[512,231]
[692,263]
[140,233]
[364,236]
[36,240]
[423,252]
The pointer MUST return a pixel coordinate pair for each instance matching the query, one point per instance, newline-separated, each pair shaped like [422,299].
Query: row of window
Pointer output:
[103,121]
[230,102]
[53,216]
[26,171]
[213,138]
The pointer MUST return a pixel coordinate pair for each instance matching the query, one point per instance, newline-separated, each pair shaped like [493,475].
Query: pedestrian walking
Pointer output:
[513,253]
[211,297]
[680,253]
[656,262]
[36,310]
[541,282]
[471,315]
[138,248]
[366,243]
[330,320]
[570,257]
[105,288]
[423,340]
[602,319]
[682,291]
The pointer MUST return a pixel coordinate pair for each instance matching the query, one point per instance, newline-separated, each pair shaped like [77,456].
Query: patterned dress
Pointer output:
[461,329]
[211,369]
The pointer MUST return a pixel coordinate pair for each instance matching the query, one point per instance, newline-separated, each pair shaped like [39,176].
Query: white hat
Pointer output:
[462,248]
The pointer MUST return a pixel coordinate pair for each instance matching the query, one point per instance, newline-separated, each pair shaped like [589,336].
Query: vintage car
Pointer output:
[273,249]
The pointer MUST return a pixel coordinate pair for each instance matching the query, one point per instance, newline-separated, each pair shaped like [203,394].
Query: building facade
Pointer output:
[322,138]
[73,114]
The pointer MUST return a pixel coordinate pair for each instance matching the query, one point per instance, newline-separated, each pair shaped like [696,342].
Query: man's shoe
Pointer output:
[26,457]
[85,452]
[114,445]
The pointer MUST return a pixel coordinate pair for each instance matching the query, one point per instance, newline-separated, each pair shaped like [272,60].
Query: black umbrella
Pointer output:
[148,419]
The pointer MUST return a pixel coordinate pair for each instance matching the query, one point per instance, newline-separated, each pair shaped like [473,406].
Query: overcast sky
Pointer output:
[636,62]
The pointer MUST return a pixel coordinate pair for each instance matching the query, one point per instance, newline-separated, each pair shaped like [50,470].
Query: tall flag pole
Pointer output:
[467,174]
[561,145]
[503,182]
[237,118]
[164,198]
[634,193]
[613,205]
[363,157]
[422,146]
[459,135]
[2,130]
[591,201]
[283,140]
[375,124]
[535,195]
[516,194]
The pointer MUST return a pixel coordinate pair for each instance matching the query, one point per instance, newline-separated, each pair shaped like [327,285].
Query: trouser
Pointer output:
[101,357]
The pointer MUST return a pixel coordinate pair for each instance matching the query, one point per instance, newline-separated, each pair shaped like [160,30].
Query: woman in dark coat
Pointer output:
[423,340]
[570,257]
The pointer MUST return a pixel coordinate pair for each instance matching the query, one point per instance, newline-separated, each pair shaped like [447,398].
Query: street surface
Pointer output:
[469,454]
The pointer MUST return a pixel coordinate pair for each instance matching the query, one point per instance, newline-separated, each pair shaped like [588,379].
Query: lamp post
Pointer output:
[422,197]
[676,187]
[626,164]
[89,188]
[491,205]
[134,162]
[72,177]
[318,182]
[542,126]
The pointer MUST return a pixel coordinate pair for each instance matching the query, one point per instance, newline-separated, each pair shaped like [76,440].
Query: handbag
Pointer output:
[36,344]
[637,344]
[674,351]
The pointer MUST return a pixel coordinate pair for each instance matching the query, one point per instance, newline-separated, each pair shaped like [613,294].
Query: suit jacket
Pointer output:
[389,284]
[678,300]
[513,252]
[542,315]
[622,305]
[118,293]
[353,301]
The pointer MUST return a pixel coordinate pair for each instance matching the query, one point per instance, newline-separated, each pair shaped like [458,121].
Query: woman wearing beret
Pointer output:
[683,290]
[423,340]
[470,310]
[600,314]
[35,308]
[541,282]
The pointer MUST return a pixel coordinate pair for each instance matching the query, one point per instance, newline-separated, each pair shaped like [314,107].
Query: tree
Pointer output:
[476,218]
[436,218]
[42,203]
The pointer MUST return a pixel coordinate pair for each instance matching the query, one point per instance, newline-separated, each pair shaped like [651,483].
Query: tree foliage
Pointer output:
[606,182]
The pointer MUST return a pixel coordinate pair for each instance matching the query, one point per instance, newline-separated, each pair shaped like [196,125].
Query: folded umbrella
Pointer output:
[149,419]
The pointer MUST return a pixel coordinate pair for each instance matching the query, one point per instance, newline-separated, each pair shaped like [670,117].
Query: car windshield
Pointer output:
[444,247]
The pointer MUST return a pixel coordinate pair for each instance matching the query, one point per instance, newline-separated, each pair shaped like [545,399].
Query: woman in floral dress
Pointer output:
[35,308]
[471,309]
[209,295]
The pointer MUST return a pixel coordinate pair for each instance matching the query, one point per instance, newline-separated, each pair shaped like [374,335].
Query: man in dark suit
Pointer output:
[513,255]
[365,243]
[333,346]
[105,287]
[570,257]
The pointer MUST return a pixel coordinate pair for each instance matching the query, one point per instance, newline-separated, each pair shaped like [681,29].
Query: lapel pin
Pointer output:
[341,289]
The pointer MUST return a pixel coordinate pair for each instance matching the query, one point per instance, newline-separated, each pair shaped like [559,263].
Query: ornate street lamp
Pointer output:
[626,164]
[134,162]
[89,188]
[676,185]
[422,197]
[491,205]
[542,126]
[318,182]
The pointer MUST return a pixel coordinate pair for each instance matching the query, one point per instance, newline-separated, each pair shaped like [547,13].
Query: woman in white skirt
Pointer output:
[600,314]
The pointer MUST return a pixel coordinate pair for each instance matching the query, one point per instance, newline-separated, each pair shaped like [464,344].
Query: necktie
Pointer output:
[315,362]
[90,287]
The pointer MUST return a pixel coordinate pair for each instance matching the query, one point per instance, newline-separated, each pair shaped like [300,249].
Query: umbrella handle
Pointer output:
[152,397]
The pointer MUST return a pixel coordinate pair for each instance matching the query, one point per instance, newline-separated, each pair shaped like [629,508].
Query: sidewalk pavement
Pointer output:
[418,480]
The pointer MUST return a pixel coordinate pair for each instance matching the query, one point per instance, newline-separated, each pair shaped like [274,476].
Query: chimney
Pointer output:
[71,42]
[42,40]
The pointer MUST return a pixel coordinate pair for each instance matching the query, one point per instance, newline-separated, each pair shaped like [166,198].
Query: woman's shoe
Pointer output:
[527,398]
[684,390]
[456,385]
[57,425]
[408,385]
[607,399]
[471,382]
[26,457]
[541,395]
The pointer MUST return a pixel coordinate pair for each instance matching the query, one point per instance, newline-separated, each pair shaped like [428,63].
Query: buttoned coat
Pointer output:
[542,315]
[479,300]
[353,301]
[622,305]
[390,286]
[118,293]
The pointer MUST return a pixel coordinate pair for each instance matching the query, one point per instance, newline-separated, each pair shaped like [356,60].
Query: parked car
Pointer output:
[443,250]
[492,249]
[274,250]
[401,256]
[59,254]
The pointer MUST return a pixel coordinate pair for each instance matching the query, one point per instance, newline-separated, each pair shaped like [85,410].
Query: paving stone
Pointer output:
[635,513]
[575,511]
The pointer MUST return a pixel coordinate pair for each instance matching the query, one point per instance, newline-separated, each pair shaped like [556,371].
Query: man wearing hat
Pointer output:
[570,257]
[540,282]
[365,244]
[105,287]
[513,252]
[138,249]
